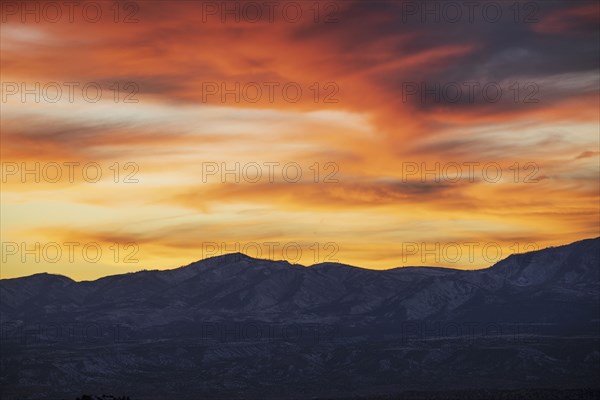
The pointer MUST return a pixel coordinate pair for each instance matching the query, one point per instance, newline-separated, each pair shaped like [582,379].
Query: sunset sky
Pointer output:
[376,104]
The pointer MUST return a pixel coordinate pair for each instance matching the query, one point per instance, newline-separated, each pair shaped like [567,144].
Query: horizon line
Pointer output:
[238,254]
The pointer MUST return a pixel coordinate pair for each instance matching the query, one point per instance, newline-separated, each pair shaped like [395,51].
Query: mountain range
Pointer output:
[233,326]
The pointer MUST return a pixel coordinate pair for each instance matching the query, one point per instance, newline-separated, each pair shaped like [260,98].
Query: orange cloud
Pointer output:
[354,91]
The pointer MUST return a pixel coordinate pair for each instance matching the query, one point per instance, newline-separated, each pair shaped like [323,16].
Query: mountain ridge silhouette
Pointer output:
[228,258]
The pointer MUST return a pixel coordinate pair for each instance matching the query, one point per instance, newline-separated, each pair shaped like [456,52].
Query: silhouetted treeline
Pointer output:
[523,394]
[103,397]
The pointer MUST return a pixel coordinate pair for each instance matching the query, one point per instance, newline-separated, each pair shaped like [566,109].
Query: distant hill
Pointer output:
[238,327]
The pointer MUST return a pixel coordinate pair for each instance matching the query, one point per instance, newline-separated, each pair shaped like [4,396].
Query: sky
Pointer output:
[148,135]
